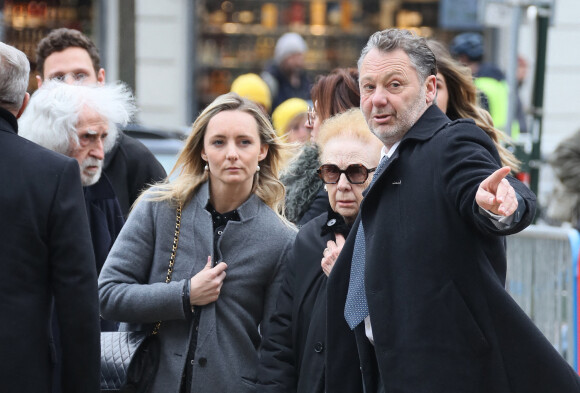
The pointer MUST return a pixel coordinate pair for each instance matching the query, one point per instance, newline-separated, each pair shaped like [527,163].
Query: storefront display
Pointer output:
[237,37]
[27,22]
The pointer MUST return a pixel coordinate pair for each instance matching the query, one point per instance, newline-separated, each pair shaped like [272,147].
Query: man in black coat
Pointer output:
[69,56]
[82,122]
[421,278]
[43,254]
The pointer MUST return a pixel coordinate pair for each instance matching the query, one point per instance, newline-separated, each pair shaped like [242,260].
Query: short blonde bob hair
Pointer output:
[349,124]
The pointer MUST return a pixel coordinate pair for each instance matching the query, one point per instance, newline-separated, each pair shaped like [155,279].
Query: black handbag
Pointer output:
[129,360]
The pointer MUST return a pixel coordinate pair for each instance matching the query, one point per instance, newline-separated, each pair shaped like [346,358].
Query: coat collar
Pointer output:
[302,182]
[430,122]
[428,125]
[111,153]
[247,210]
[8,121]
[101,190]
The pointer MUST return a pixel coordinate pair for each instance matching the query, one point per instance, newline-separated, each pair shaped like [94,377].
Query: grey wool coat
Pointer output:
[132,288]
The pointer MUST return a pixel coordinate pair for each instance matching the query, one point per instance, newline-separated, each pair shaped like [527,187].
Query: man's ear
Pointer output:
[430,89]
[101,77]
[39,81]
[24,104]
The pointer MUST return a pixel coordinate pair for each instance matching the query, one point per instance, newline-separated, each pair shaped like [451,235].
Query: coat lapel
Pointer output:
[429,124]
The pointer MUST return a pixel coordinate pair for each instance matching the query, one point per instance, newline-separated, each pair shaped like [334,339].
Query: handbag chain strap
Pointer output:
[172,258]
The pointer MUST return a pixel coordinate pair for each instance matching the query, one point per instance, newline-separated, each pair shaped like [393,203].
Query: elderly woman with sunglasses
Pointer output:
[331,94]
[293,352]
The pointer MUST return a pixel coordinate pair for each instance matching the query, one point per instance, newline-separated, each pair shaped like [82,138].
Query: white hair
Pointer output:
[14,70]
[51,116]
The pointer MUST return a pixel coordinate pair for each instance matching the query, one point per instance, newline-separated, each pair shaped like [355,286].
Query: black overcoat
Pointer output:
[131,169]
[435,275]
[292,356]
[45,253]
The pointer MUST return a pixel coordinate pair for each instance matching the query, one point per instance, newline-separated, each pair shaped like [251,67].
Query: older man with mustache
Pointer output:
[81,122]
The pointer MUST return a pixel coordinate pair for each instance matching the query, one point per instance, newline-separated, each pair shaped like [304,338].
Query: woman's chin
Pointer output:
[348,215]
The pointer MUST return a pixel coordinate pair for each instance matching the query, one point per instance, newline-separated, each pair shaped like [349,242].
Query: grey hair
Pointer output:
[52,115]
[14,71]
[421,57]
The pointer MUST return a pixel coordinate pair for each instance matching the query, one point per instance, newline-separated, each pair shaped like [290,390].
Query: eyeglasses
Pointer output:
[355,173]
[311,116]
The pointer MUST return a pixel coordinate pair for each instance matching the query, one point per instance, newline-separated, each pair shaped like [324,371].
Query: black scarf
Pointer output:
[335,224]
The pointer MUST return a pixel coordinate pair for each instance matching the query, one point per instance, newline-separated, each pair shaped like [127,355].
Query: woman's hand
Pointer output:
[330,253]
[205,286]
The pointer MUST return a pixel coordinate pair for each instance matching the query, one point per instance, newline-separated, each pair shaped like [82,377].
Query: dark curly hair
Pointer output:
[61,39]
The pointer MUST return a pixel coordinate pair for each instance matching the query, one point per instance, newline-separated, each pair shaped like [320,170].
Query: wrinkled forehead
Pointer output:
[70,60]
[344,151]
[91,120]
[380,63]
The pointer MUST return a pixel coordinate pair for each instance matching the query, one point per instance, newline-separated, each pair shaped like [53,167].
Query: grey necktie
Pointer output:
[356,308]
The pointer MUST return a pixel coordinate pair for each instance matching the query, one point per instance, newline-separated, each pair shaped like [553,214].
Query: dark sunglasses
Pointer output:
[355,173]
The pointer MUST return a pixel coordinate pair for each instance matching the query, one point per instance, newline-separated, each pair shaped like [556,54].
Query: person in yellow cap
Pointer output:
[289,120]
[253,87]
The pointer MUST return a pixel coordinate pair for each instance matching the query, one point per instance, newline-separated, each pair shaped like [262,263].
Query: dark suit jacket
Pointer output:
[105,218]
[292,355]
[105,222]
[45,253]
[131,168]
[435,274]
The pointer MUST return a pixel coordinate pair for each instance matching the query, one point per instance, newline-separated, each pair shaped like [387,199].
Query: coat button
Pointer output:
[202,362]
[318,347]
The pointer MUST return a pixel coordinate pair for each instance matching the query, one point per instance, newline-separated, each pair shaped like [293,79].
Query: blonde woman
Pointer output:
[228,264]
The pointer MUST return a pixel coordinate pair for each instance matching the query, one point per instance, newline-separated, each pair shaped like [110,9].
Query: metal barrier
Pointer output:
[541,277]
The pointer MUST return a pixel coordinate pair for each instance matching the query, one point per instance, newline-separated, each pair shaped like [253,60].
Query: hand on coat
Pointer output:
[330,253]
[496,194]
[205,286]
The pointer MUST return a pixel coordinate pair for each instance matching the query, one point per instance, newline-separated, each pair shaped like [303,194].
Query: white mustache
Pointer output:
[91,161]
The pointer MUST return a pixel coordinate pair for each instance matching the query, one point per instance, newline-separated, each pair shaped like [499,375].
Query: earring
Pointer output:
[325,189]
[258,168]
[206,168]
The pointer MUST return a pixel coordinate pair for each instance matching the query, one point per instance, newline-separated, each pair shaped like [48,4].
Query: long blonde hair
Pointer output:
[463,101]
[189,169]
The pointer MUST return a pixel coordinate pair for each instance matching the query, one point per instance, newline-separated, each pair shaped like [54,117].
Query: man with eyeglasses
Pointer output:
[68,55]
[81,122]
